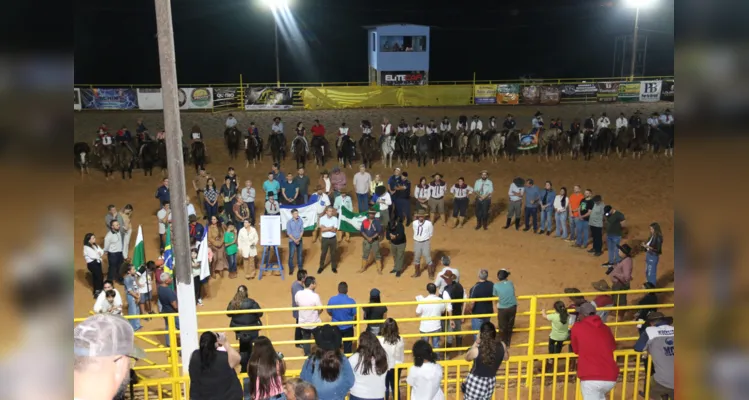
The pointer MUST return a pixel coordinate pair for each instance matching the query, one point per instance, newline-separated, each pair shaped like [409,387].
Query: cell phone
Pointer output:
[280,355]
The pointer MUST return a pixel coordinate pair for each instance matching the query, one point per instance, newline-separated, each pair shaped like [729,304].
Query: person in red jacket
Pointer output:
[594,345]
[318,129]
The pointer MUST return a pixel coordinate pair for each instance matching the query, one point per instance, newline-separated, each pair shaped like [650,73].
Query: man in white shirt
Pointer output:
[431,308]
[666,118]
[113,249]
[517,188]
[387,129]
[164,216]
[621,123]
[277,127]
[603,122]
[423,231]
[445,125]
[328,225]
[231,122]
[362,181]
[322,202]
[653,121]
[308,298]
[440,282]
[476,125]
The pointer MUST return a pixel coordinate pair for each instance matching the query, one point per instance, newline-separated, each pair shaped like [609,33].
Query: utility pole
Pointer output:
[178,193]
[278,62]
[634,45]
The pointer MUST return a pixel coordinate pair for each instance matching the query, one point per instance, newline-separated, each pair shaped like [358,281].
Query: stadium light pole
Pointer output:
[276,5]
[636,4]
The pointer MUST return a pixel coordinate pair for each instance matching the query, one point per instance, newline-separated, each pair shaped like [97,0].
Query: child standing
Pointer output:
[560,330]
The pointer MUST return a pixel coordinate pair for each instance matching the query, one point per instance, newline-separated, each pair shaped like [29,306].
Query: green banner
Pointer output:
[629,92]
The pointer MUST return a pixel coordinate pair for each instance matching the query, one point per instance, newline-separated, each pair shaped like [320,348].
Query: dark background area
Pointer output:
[216,40]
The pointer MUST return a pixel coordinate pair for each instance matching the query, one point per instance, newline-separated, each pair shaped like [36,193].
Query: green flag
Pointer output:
[350,221]
[139,252]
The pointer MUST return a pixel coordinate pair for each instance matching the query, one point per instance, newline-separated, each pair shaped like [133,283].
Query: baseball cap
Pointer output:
[607,210]
[105,335]
[374,293]
[585,310]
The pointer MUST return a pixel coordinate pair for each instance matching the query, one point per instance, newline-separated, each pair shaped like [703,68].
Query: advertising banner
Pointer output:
[528,141]
[485,94]
[531,95]
[200,98]
[650,91]
[578,90]
[403,78]
[76,99]
[629,91]
[268,98]
[150,99]
[508,93]
[549,95]
[182,95]
[607,91]
[109,99]
[667,90]
[223,97]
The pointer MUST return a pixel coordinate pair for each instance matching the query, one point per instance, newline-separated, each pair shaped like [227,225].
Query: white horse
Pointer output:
[388,148]
[496,144]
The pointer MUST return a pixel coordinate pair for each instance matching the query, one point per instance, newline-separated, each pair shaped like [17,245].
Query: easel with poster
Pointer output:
[270,239]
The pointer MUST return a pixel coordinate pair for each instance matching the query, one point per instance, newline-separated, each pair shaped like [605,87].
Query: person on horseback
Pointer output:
[103,127]
[254,133]
[160,135]
[509,123]
[277,127]
[603,122]
[387,129]
[343,133]
[231,122]
[635,121]
[432,128]
[418,128]
[666,118]
[537,122]
[196,135]
[141,132]
[492,124]
[124,137]
[590,123]
[403,127]
[104,137]
[301,132]
[445,125]
[477,126]
[575,127]
[556,124]
[621,122]
[462,123]
[366,128]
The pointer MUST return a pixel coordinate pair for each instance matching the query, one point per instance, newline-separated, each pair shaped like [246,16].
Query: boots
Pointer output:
[486,223]
[431,269]
[363,266]
[507,225]
[382,266]
[517,224]
[250,268]
[417,271]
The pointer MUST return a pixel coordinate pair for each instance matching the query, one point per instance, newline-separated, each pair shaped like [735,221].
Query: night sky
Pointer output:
[216,40]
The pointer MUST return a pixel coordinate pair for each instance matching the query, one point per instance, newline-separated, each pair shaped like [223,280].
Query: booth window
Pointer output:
[403,43]
[374,41]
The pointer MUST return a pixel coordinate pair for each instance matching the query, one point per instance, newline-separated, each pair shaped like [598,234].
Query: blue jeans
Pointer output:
[583,232]
[132,309]
[531,212]
[434,340]
[651,267]
[232,262]
[476,324]
[573,227]
[403,209]
[547,218]
[295,248]
[211,210]
[251,206]
[166,326]
[363,200]
[612,242]
[562,224]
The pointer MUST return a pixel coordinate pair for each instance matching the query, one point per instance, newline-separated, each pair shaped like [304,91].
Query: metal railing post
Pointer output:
[358,321]
[174,355]
[531,339]
[241,93]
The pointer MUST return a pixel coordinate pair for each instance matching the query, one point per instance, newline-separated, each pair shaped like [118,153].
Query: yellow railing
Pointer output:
[165,360]
[520,377]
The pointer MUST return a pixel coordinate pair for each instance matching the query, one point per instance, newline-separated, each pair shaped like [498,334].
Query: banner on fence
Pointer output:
[549,95]
[607,91]
[76,99]
[109,99]
[528,141]
[531,95]
[579,90]
[403,78]
[268,98]
[200,98]
[629,92]
[650,91]
[223,97]
[508,93]
[667,90]
[485,94]
[307,212]
[150,99]
[336,97]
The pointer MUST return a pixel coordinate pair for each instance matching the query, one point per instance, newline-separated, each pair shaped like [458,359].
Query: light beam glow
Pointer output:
[639,3]
[276,4]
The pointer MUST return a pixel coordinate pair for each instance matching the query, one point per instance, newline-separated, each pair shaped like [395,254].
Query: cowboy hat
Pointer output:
[328,337]
[601,286]
[448,275]
[421,213]
[483,171]
[626,249]
[276,118]
[437,173]
[538,113]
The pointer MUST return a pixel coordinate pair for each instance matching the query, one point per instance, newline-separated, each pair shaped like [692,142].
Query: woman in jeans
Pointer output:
[230,242]
[560,330]
[561,209]
[370,365]
[376,312]
[487,354]
[210,194]
[266,369]
[242,301]
[393,344]
[653,247]
[92,253]
[547,209]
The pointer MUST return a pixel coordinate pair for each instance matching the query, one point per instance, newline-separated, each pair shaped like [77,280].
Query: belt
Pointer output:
[438,198]
[515,201]
[332,237]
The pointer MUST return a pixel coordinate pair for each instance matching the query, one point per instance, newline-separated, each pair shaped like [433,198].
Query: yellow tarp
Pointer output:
[321,98]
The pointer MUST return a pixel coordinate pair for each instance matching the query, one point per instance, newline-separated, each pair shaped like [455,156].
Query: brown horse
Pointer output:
[547,142]
[107,158]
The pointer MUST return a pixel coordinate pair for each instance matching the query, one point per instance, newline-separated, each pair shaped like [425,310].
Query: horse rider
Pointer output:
[603,122]
[387,129]
[575,127]
[635,121]
[277,127]
[301,132]
[418,128]
[590,123]
[125,138]
[104,137]
[537,122]
[462,123]
[254,133]
[103,127]
[509,123]
[445,125]
[431,128]
[556,123]
[231,122]
[621,122]
[492,124]
[141,132]
[365,125]
[653,121]
[343,132]
[403,127]
[666,118]
[477,126]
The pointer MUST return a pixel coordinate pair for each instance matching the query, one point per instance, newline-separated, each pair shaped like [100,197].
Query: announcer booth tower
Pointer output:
[398,54]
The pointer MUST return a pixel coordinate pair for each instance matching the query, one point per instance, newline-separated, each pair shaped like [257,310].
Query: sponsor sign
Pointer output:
[403,78]
[607,91]
[225,96]
[528,141]
[268,98]
[650,91]
[508,93]
[182,94]
[201,98]
[667,90]
[578,90]
[531,94]
[485,94]
[76,99]
[629,92]
[549,95]
[109,99]
[150,99]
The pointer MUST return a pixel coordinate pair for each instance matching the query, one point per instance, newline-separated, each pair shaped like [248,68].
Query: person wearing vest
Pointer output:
[436,202]
[492,124]
[445,125]
[453,290]
[403,127]
[371,231]
[431,128]
[462,123]
[387,129]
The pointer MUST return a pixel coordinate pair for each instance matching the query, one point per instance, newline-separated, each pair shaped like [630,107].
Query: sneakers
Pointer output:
[319,271]
[606,264]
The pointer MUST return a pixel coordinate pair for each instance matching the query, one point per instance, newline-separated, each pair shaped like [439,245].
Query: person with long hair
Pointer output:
[421,194]
[487,354]
[92,253]
[375,312]
[327,368]
[425,376]
[265,370]
[370,365]
[210,196]
[393,344]
[216,244]
[211,369]
[653,252]
[230,243]
[242,301]
[560,329]
[247,240]
[561,209]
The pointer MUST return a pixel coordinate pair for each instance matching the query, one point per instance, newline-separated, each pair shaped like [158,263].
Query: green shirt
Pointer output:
[614,224]
[506,292]
[231,249]
[559,331]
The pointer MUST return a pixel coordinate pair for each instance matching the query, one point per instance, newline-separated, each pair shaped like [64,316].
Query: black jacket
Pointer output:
[656,244]
[245,319]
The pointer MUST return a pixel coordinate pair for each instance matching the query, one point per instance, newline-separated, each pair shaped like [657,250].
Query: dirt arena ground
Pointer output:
[642,189]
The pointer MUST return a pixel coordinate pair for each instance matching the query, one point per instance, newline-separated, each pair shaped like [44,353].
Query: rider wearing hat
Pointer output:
[277,127]
[538,120]
[509,123]
[492,124]
[445,125]
[253,132]
[301,134]
[653,120]
[603,122]
[476,125]
[666,118]
[418,127]
[462,123]
[432,129]
[621,122]
[125,138]
[590,123]
[635,121]
[387,129]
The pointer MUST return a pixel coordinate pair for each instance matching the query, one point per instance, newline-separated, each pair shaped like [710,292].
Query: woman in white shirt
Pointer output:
[422,194]
[425,376]
[103,305]
[561,209]
[383,199]
[370,365]
[393,345]
[92,253]
[247,241]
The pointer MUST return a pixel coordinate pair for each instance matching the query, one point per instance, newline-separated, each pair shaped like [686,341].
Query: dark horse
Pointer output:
[107,158]
[149,154]
[321,150]
[277,148]
[81,151]
[347,150]
[512,141]
[161,156]
[232,136]
[403,148]
[368,148]
[125,160]
[448,146]
[197,152]
[252,151]
[587,146]
[475,144]
[639,141]
[604,141]
[427,147]
[300,152]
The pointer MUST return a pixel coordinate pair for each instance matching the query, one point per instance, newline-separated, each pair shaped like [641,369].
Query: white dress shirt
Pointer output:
[366,130]
[445,126]
[387,129]
[666,119]
[421,193]
[430,309]
[515,188]
[653,121]
[113,242]
[328,222]
[477,125]
[231,122]
[603,122]
[423,231]
[343,131]
[461,126]
[461,193]
[308,298]
[92,253]
[622,122]
[277,128]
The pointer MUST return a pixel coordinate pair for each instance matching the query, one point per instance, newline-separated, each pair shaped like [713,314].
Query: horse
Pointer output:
[561,146]
[300,152]
[403,148]
[368,148]
[277,147]
[107,158]
[622,141]
[387,148]
[576,144]
[475,144]
[427,146]
[639,141]
[81,151]
[587,145]
[197,152]
[448,146]
[660,140]
[321,149]
[232,137]
[125,160]
[546,143]
[149,154]
[512,142]
[252,151]
[161,156]
[462,145]
[604,140]
[495,147]
[347,149]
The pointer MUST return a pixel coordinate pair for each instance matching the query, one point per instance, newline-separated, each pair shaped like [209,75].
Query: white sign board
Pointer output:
[650,91]
[270,230]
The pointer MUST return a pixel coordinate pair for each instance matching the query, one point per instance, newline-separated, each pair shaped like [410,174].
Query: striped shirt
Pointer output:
[461,192]
[437,190]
